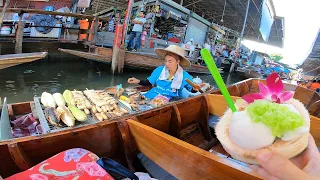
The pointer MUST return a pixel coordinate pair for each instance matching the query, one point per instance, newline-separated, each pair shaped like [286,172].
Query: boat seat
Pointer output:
[153,169]
[191,122]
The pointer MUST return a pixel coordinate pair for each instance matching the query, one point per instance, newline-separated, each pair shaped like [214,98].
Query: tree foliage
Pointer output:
[276,57]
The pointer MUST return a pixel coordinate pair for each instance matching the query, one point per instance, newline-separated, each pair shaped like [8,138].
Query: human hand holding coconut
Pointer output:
[267,129]
[304,166]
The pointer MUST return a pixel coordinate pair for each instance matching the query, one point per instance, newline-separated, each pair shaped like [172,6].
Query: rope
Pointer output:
[224,8]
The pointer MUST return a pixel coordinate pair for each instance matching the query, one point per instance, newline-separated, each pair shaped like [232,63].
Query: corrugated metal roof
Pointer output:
[234,15]
[311,66]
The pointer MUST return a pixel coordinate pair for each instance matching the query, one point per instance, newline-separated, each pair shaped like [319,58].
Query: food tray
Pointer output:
[47,127]
[120,104]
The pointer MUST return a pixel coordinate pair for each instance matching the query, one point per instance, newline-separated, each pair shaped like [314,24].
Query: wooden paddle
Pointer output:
[195,87]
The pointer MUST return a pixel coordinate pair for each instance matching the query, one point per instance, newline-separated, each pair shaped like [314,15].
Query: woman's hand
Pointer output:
[133,80]
[304,166]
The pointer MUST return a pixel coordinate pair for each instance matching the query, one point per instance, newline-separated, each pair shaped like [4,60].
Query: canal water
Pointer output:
[23,82]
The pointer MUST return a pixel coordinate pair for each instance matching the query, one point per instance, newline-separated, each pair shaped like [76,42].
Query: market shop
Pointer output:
[166,21]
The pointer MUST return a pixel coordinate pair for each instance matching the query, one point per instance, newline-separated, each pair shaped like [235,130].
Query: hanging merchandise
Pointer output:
[179,31]
[84,3]
[173,15]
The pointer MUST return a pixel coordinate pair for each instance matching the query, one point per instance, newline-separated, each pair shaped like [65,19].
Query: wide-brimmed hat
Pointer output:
[174,49]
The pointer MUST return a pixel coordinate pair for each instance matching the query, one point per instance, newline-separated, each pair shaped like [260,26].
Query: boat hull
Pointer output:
[10,60]
[186,122]
[133,60]
[252,74]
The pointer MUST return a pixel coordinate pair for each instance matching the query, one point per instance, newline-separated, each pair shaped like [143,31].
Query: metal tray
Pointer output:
[47,127]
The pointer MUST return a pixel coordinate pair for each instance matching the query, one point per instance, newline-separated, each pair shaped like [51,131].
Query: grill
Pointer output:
[48,128]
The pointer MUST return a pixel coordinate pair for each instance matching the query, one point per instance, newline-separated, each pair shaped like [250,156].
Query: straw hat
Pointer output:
[174,49]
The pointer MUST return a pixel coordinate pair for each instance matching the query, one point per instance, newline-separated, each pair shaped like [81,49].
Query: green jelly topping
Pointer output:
[280,119]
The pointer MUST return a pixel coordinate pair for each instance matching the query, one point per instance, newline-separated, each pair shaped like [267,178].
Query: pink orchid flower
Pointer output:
[272,92]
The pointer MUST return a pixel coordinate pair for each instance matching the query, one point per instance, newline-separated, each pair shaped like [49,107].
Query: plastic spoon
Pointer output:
[208,59]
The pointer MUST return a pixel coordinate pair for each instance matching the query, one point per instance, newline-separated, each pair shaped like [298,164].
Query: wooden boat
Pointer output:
[252,74]
[16,59]
[241,72]
[132,59]
[181,127]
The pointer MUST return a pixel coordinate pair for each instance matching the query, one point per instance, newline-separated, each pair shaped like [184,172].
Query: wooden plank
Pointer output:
[8,166]
[20,158]
[304,95]
[175,123]
[158,119]
[54,13]
[21,108]
[184,161]
[103,139]
[314,109]
[254,86]
[315,129]
[217,104]
[243,88]
[315,98]
[129,148]
[233,90]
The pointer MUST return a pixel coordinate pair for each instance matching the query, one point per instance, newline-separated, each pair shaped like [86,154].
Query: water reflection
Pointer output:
[23,82]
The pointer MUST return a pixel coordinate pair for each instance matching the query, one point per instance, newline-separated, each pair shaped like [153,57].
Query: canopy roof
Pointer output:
[234,15]
[311,66]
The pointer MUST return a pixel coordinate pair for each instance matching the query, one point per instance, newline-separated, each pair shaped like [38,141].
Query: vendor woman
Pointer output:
[168,80]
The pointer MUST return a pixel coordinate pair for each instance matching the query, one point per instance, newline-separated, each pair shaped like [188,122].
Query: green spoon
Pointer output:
[208,59]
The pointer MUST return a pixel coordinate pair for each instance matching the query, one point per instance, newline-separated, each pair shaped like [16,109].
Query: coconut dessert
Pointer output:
[271,119]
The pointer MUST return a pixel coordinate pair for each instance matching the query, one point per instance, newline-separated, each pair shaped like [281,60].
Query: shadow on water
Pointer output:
[23,82]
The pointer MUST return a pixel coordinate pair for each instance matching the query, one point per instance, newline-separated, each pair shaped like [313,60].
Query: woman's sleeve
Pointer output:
[145,82]
[155,75]
[187,85]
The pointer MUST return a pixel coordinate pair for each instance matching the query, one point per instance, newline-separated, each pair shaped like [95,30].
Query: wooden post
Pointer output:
[19,35]
[94,34]
[4,12]
[115,65]
[89,30]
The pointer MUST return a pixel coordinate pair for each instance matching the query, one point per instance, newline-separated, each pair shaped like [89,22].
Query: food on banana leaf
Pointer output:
[59,99]
[77,113]
[63,113]
[67,96]
[47,100]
